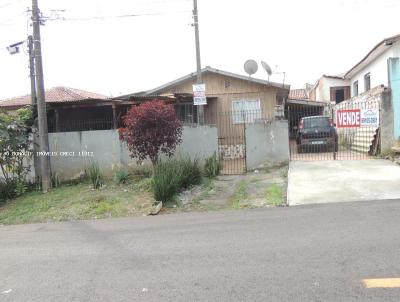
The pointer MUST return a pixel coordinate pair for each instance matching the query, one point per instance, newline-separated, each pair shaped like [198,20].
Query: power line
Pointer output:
[93,18]
[10,3]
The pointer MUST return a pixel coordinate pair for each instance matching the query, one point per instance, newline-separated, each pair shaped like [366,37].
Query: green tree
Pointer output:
[15,149]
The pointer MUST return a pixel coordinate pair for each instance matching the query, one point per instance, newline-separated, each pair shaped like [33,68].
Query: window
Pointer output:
[246,111]
[355,88]
[317,122]
[186,112]
[339,94]
[367,81]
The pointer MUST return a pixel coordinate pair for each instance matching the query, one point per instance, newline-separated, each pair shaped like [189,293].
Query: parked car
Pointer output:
[316,134]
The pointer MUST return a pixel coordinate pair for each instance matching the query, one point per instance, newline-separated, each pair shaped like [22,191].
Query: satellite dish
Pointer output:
[250,67]
[266,68]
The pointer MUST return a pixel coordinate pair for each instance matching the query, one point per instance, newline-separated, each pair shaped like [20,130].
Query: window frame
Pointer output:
[355,88]
[251,115]
[367,79]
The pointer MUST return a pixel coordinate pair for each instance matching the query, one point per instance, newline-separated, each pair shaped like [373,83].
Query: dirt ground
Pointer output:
[264,187]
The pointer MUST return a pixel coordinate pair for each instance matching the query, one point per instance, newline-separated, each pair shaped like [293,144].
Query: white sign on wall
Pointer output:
[199,94]
[370,117]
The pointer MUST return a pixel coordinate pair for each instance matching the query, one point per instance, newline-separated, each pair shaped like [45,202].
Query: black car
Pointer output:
[316,133]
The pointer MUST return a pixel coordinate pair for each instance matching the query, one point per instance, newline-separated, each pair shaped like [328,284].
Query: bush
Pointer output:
[212,166]
[8,190]
[141,171]
[150,129]
[121,176]
[173,175]
[95,175]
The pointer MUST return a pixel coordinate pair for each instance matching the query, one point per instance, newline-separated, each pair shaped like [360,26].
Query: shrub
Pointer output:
[190,173]
[150,129]
[15,151]
[166,180]
[171,176]
[142,171]
[212,166]
[95,175]
[8,190]
[121,176]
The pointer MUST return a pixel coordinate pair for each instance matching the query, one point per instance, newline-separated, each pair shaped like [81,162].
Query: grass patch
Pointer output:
[240,195]
[284,172]
[76,202]
[274,196]
[208,188]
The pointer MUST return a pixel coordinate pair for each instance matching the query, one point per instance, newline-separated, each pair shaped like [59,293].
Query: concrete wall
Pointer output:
[267,143]
[394,74]
[378,97]
[73,150]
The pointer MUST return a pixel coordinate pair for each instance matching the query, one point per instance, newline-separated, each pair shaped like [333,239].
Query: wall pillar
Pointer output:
[114,111]
[394,80]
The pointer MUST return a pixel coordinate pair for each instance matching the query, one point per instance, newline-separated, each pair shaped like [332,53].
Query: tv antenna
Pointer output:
[268,69]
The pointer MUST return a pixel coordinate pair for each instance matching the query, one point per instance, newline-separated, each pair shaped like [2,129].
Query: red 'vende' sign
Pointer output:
[348,118]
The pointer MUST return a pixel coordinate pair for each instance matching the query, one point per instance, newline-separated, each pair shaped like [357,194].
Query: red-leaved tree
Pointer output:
[150,129]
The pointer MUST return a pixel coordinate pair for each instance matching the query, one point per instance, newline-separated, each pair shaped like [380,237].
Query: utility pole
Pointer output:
[34,104]
[32,69]
[200,108]
[41,103]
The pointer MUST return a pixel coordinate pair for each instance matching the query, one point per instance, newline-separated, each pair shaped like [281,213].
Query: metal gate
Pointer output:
[346,131]
[232,142]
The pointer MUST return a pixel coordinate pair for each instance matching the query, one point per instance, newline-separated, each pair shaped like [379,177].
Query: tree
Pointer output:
[150,129]
[15,149]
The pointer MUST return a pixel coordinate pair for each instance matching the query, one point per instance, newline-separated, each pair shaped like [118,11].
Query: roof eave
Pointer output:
[384,44]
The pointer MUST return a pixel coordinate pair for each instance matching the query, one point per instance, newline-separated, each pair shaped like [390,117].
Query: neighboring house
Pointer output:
[299,105]
[70,109]
[373,78]
[302,94]
[330,89]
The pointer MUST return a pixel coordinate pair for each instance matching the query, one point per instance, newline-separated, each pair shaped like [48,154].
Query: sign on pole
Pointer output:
[199,94]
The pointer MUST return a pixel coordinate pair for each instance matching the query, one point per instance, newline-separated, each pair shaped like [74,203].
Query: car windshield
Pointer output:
[318,122]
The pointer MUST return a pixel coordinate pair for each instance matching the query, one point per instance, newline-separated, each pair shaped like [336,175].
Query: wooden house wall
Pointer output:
[227,89]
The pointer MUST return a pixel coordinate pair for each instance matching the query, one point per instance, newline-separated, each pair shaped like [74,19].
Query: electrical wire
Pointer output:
[10,3]
[93,18]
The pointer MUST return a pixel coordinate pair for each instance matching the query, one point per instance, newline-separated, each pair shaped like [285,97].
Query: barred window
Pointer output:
[246,111]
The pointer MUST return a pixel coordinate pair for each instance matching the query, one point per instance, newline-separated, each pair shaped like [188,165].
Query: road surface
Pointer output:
[305,253]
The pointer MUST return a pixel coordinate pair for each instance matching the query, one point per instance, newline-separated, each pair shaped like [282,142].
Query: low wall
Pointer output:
[73,150]
[267,143]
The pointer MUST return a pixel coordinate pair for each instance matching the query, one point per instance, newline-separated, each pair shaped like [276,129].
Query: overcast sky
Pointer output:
[115,56]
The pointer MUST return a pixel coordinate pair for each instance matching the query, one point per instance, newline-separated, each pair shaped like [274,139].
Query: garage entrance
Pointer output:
[346,131]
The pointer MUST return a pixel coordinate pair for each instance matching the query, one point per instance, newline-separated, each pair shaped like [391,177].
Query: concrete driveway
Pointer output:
[338,181]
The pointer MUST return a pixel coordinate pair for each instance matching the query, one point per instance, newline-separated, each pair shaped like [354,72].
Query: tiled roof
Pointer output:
[298,94]
[55,95]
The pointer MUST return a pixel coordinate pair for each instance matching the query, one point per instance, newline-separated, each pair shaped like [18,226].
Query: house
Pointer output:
[233,101]
[226,92]
[375,78]
[69,109]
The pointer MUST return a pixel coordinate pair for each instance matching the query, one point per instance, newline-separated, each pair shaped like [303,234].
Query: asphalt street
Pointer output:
[305,253]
